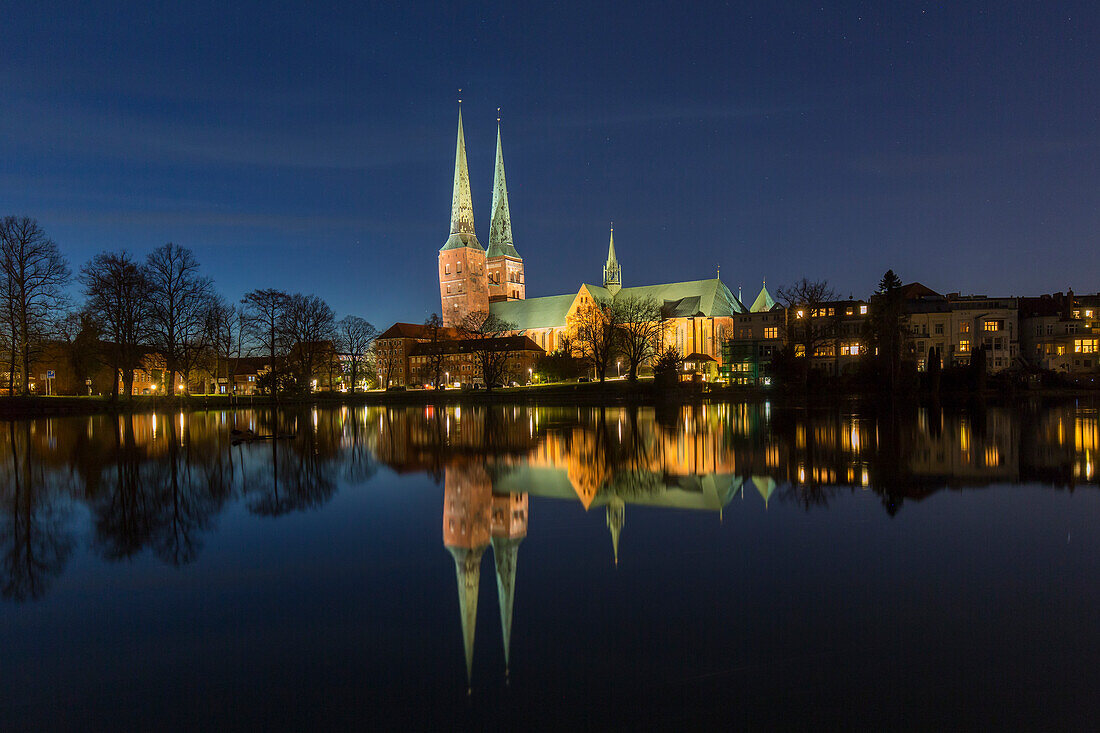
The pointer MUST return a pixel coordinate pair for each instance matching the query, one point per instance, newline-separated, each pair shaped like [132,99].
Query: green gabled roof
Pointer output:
[763,302]
[546,312]
[709,298]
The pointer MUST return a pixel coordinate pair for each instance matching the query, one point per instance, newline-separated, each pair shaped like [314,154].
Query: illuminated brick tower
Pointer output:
[462,277]
[505,266]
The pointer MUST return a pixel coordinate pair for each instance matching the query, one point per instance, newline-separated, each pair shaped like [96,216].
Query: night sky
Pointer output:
[312,150]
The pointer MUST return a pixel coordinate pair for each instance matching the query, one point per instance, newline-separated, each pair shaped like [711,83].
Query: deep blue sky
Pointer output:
[312,150]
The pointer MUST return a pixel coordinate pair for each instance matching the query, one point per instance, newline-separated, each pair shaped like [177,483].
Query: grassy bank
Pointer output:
[591,393]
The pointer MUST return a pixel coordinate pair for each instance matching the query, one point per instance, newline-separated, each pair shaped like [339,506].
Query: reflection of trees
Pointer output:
[300,473]
[35,540]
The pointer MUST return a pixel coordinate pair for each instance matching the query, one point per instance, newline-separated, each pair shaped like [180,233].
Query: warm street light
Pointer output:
[618,367]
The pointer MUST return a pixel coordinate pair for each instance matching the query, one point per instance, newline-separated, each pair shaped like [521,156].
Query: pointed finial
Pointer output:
[719,272]
[460,95]
[498,115]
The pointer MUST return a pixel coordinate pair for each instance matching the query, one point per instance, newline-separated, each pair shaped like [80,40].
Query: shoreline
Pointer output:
[595,394]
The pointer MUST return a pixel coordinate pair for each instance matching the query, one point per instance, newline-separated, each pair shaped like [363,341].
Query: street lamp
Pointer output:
[619,368]
[530,373]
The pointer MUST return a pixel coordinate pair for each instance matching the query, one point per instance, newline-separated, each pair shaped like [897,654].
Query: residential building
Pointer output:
[1061,332]
[957,325]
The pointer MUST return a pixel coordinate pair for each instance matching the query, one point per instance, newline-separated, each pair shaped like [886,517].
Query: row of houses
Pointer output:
[1058,332]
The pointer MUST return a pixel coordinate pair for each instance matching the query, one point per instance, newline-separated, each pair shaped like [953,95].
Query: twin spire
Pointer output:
[462,205]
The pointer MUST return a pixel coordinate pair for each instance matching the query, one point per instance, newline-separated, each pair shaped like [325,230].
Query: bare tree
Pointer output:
[35,275]
[435,332]
[264,311]
[354,338]
[309,326]
[484,334]
[595,333]
[178,304]
[225,326]
[808,326]
[117,298]
[642,330]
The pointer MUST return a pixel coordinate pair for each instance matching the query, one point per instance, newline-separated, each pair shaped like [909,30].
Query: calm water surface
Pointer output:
[516,567]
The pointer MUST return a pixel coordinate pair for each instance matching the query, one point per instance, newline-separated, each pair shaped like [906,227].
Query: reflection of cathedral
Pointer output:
[474,518]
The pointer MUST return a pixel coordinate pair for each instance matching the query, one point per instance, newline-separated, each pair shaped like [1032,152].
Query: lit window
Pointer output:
[993,325]
[964,346]
[771,332]
[1085,346]
[863,310]
[964,327]
[1088,314]
[849,311]
[799,314]
[832,311]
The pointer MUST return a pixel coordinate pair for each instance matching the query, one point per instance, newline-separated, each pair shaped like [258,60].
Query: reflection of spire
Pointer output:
[765,485]
[468,572]
[616,516]
[467,498]
[505,552]
[508,525]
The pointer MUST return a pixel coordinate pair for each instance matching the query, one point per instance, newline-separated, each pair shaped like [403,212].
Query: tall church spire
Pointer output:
[612,272]
[462,202]
[500,225]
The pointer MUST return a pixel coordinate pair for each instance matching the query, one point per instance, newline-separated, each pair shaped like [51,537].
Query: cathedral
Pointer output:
[473,278]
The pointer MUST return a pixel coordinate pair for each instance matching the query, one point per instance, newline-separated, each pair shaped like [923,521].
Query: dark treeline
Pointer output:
[163,311]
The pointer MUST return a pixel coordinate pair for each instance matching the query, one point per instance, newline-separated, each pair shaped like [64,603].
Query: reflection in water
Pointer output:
[701,458]
[158,483]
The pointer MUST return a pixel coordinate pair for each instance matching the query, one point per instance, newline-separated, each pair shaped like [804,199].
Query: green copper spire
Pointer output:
[505,553]
[500,226]
[612,272]
[462,202]
[468,573]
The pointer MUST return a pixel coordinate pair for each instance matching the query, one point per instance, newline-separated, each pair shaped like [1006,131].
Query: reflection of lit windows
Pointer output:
[992,456]
[964,346]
